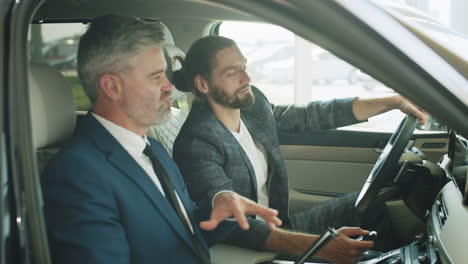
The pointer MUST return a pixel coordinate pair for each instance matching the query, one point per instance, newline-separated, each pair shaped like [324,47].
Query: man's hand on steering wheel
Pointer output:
[407,107]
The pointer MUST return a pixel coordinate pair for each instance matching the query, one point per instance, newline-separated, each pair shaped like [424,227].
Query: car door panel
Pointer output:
[318,173]
[330,163]
[433,147]
[327,177]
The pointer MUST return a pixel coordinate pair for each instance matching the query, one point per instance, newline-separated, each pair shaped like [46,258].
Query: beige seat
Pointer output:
[52,111]
[166,132]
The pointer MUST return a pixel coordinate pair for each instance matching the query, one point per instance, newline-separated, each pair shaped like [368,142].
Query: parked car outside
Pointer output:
[61,54]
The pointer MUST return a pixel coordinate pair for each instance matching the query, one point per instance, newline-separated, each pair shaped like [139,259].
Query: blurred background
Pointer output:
[287,68]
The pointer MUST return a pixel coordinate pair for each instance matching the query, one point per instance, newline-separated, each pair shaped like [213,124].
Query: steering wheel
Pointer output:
[385,167]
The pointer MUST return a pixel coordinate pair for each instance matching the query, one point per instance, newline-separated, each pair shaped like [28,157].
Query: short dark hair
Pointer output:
[200,60]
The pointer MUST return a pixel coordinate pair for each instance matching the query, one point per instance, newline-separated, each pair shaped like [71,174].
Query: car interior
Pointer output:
[420,171]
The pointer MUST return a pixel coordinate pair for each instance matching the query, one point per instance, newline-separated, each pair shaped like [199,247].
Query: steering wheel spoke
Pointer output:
[386,165]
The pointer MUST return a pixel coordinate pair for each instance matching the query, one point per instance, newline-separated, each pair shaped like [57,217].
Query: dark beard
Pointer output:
[222,98]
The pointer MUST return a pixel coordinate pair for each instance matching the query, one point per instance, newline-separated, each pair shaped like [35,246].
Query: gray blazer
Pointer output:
[211,159]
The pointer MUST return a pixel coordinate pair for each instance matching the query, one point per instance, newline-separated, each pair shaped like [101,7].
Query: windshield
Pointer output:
[451,46]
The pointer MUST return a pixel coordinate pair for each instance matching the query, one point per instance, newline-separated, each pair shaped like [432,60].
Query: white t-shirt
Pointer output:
[257,156]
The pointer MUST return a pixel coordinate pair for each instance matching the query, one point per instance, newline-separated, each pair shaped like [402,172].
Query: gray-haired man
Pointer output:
[113,195]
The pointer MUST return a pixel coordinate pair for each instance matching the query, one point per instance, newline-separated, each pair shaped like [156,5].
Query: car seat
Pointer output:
[52,111]
[166,132]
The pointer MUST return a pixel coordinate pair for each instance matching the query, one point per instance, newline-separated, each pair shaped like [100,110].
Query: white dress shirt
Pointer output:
[134,144]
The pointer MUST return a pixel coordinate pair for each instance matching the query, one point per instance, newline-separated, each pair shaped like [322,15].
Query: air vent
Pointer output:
[441,210]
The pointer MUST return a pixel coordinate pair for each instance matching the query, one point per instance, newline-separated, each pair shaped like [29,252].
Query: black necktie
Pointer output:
[170,192]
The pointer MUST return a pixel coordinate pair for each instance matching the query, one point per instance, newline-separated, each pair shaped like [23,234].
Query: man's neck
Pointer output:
[119,119]
[230,117]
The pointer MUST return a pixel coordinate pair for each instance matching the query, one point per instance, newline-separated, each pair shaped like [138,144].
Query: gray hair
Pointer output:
[109,46]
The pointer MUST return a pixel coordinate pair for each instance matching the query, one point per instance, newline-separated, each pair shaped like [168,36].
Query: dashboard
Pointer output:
[446,239]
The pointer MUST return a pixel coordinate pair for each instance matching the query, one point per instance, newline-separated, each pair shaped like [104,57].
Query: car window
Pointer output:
[289,69]
[56,44]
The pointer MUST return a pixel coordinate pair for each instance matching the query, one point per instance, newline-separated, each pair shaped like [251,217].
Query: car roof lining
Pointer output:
[84,10]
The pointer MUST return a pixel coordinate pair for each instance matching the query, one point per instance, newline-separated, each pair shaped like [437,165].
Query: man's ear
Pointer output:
[201,84]
[110,86]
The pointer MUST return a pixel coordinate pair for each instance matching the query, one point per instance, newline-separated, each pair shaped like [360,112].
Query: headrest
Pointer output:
[52,106]
[174,57]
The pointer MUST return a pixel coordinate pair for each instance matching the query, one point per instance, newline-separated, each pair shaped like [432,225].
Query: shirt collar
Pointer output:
[130,141]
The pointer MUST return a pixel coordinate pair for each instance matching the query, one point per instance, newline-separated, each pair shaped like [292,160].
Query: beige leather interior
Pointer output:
[317,174]
[52,106]
[225,254]
[332,170]
[432,154]
[329,153]
[166,132]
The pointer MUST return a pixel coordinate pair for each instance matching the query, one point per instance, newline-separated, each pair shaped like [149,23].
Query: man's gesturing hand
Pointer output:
[227,204]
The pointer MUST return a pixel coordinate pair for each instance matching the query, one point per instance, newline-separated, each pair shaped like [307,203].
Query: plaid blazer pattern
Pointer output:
[211,159]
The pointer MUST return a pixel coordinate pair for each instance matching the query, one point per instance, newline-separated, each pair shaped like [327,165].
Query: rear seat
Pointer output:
[52,111]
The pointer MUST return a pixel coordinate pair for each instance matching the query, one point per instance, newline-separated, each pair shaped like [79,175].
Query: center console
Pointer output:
[420,251]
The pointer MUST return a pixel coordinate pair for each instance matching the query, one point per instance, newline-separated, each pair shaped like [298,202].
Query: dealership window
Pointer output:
[291,70]
[56,44]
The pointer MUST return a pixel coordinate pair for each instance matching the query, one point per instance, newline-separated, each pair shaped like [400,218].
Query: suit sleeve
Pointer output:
[81,215]
[315,115]
[202,210]
[201,164]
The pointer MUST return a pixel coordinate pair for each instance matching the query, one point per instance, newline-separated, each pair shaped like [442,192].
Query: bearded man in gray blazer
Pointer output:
[230,142]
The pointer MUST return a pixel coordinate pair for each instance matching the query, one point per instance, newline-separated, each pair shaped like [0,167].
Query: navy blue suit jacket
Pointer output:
[101,206]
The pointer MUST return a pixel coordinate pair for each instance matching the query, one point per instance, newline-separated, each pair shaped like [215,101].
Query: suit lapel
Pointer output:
[234,143]
[257,132]
[185,199]
[262,135]
[246,160]
[121,159]
[203,110]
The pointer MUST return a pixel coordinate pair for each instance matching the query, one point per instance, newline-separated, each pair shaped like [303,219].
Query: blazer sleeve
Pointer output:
[81,215]
[201,165]
[315,115]
[202,210]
